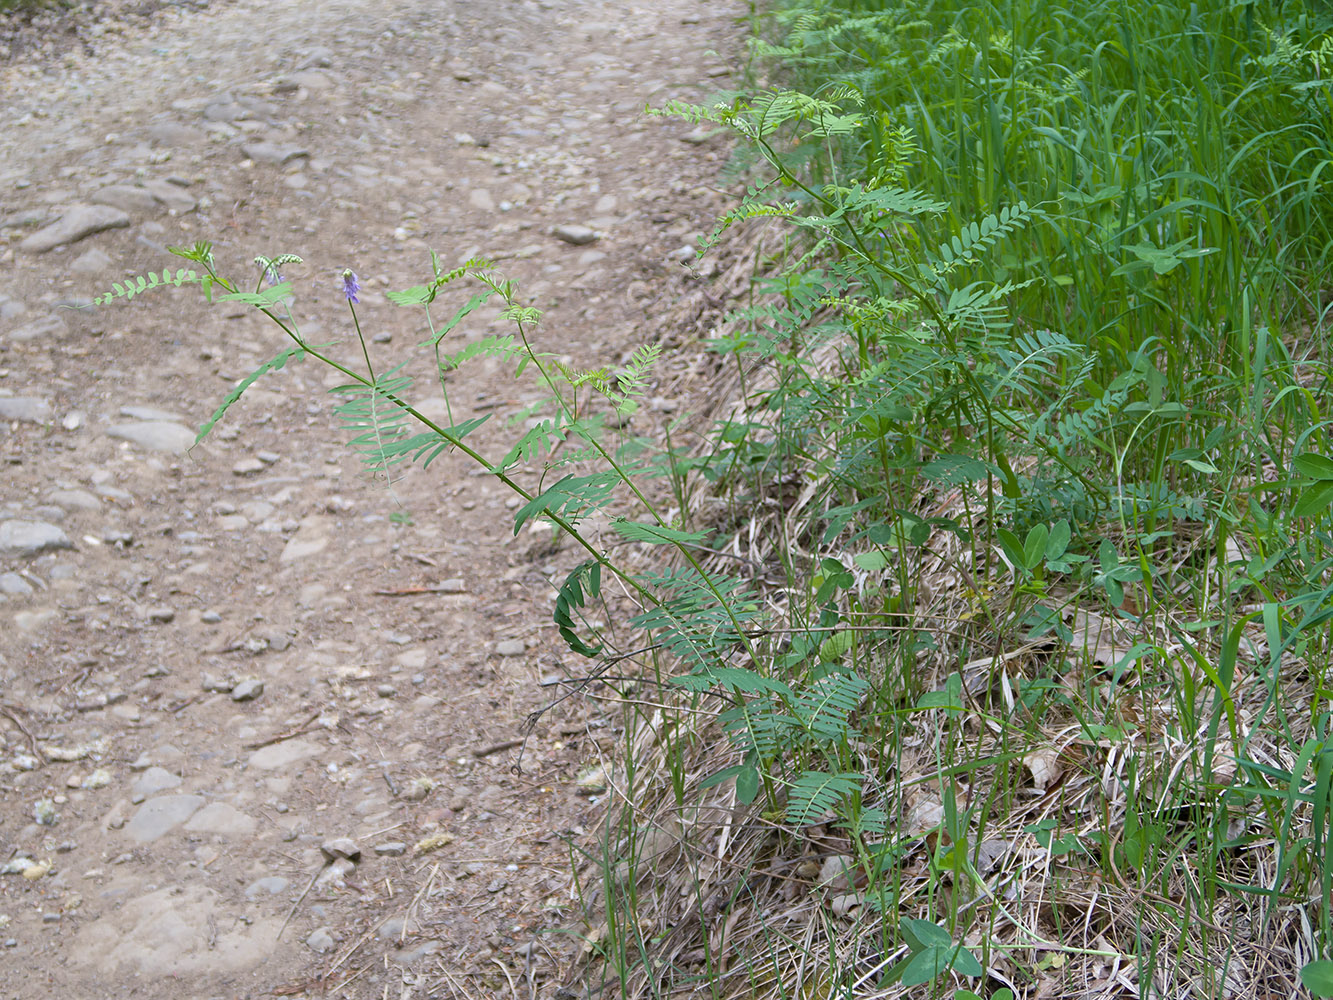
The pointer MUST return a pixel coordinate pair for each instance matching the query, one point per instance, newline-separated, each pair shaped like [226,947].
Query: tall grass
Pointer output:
[1031,429]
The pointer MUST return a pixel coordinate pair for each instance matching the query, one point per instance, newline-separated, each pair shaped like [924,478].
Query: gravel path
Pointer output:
[255,730]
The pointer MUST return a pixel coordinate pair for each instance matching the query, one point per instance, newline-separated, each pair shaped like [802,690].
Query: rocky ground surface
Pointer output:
[258,712]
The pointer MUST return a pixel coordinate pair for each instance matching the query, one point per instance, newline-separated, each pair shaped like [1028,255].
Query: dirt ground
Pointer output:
[258,712]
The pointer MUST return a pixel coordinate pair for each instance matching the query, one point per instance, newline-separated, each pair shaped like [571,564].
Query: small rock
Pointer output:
[157,435]
[24,762]
[74,499]
[28,409]
[247,467]
[162,614]
[176,200]
[152,781]
[14,585]
[210,617]
[418,789]
[44,813]
[94,261]
[127,199]
[271,885]
[98,779]
[577,235]
[340,847]
[391,928]
[511,647]
[698,137]
[79,222]
[223,820]
[247,690]
[28,538]
[160,815]
[391,849]
[273,152]
[320,940]
[150,413]
[383,690]
[267,457]
[452,586]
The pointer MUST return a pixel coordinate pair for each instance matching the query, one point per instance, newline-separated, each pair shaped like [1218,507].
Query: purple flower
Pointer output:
[351,287]
[271,274]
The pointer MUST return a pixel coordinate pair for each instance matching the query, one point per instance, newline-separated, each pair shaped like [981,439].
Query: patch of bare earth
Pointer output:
[257,734]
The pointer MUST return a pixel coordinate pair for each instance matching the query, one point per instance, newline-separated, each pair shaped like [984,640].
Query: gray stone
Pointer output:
[162,614]
[247,690]
[320,940]
[78,223]
[11,308]
[161,815]
[150,413]
[25,217]
[74,499]
[38,329]
[311,537]
[14,585]
[221,819]
[128,199]
[271,885]
[391,849]
[27,538]
[25,408]
[177,200]
[392,928]
[511,647]
[156,435]
[340,847]
[174,134]
[94,261]
[274,152]
[247,467]
[151,782]
[577,235]
[282,754]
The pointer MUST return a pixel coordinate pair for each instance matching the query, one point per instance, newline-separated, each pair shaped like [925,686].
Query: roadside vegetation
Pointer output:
[1027,489]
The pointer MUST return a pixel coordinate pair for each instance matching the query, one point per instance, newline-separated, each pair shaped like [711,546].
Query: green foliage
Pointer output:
[146,282]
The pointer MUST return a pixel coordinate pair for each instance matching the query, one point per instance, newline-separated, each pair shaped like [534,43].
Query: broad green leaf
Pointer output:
[923,934]
[747,785]
[1314,500]
[1313,466]
[1317,977]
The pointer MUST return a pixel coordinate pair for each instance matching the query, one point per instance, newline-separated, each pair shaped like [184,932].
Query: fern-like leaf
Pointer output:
[815,793]
[146,282]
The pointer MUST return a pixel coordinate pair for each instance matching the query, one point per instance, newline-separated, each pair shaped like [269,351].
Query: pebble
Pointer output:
[320,940]
[391,849]
[511,647]
[162,614]
[222,820]
[28,538]
[93,261]
[392,928]
[14,585]
[74,499]
[127,198]
[577,235]
[156,435]
[78,223]
[340,847]
[44,813]
[283,754]
[247,690]
[210,617]
[272,885]
[150,413]
[176,199]
[247,467]
[151,782]
[28,409]
[159,816]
